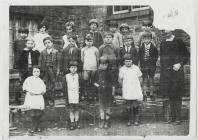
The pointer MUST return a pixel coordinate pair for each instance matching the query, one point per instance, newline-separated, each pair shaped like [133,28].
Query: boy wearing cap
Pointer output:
[42,33]
[148,56]
[97,37]
[128,48]
[117,39]
[112,53]
[105,82]
[90,60]
[50,68]
[124,29]
[70,53]
[71,85]
[129,75]
[19,45]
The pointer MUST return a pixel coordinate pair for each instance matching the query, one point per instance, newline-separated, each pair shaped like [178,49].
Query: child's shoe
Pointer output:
[72,127]
[106,124]
[77,125]
[136,123]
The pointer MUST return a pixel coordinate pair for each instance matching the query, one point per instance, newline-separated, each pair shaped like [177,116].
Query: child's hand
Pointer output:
[97,85]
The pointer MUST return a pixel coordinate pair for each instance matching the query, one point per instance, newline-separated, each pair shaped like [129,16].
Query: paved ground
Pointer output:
[55,124]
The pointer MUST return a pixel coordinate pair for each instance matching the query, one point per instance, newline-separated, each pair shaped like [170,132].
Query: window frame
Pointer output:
[120,12]
[139,9]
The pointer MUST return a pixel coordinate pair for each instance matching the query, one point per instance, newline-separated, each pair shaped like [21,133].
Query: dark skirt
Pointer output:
[105,96]
[34,112]
[172,83]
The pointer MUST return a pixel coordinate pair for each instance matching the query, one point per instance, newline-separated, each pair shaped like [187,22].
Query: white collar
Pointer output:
[49,51]
[147,45]
[170,39]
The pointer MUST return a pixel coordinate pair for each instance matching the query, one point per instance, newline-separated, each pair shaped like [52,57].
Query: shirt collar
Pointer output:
[49,51]
[170,39]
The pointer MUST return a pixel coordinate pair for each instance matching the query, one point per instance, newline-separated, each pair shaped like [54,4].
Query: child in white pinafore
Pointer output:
[34,101]
[131,89]
[71,89]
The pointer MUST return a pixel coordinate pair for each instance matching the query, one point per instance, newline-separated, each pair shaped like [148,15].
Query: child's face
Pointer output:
[89,42]
[48,44]
[30,44]
[124,30]
[128,63]
[36,72]
[128,42]
[42,29]
[23,35]
[103,66]
[69,29]
[93,26]
[71,42]
[73,69]
[113,29]
[147,40]
[108,39]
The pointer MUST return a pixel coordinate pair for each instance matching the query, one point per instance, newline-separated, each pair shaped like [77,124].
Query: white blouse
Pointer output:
[34,88]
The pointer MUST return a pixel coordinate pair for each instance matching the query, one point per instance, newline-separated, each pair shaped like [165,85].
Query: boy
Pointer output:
[129,48]
[148,55]
[19,45]
[50,68]
[29,57]
[97,37]
[117,39]
[42,28]
[71,86]
[105,82]
[129,75]
[109,51]
[90,59]
[70,53]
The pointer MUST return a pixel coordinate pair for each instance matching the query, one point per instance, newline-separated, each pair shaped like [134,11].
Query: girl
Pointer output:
[69,27]
[131,89]
[34,101]
[105,82]
[71,89]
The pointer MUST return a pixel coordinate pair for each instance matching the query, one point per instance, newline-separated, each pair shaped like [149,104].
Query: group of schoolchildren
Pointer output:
[103,62]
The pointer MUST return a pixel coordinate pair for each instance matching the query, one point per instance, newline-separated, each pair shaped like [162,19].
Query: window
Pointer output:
[120,9]
[139,7]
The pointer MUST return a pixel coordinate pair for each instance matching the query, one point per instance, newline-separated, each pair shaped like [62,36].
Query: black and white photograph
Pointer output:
[102,70]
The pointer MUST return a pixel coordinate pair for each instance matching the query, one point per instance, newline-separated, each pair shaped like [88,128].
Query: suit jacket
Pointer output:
[23,59]
[67,57]
[55,60]
[132,51]
[153,56]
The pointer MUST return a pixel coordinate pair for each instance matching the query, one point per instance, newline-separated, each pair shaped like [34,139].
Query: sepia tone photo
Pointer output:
[97,71]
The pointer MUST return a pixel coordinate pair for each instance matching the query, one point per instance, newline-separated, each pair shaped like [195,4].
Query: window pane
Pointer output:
[120,8]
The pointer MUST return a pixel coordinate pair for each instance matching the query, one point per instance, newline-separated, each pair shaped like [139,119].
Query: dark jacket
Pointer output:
[133,53]
[153,56]
[97,38]
[55,60]
[18,47]
[67,57]
[23,60]
[171,81]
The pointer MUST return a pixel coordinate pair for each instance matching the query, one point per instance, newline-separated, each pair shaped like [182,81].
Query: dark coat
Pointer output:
[105,80]
[133,53]
[97,39]
[23,60]
[18,47]
[55,60]
[172,82]
[67,57]
[153,57]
